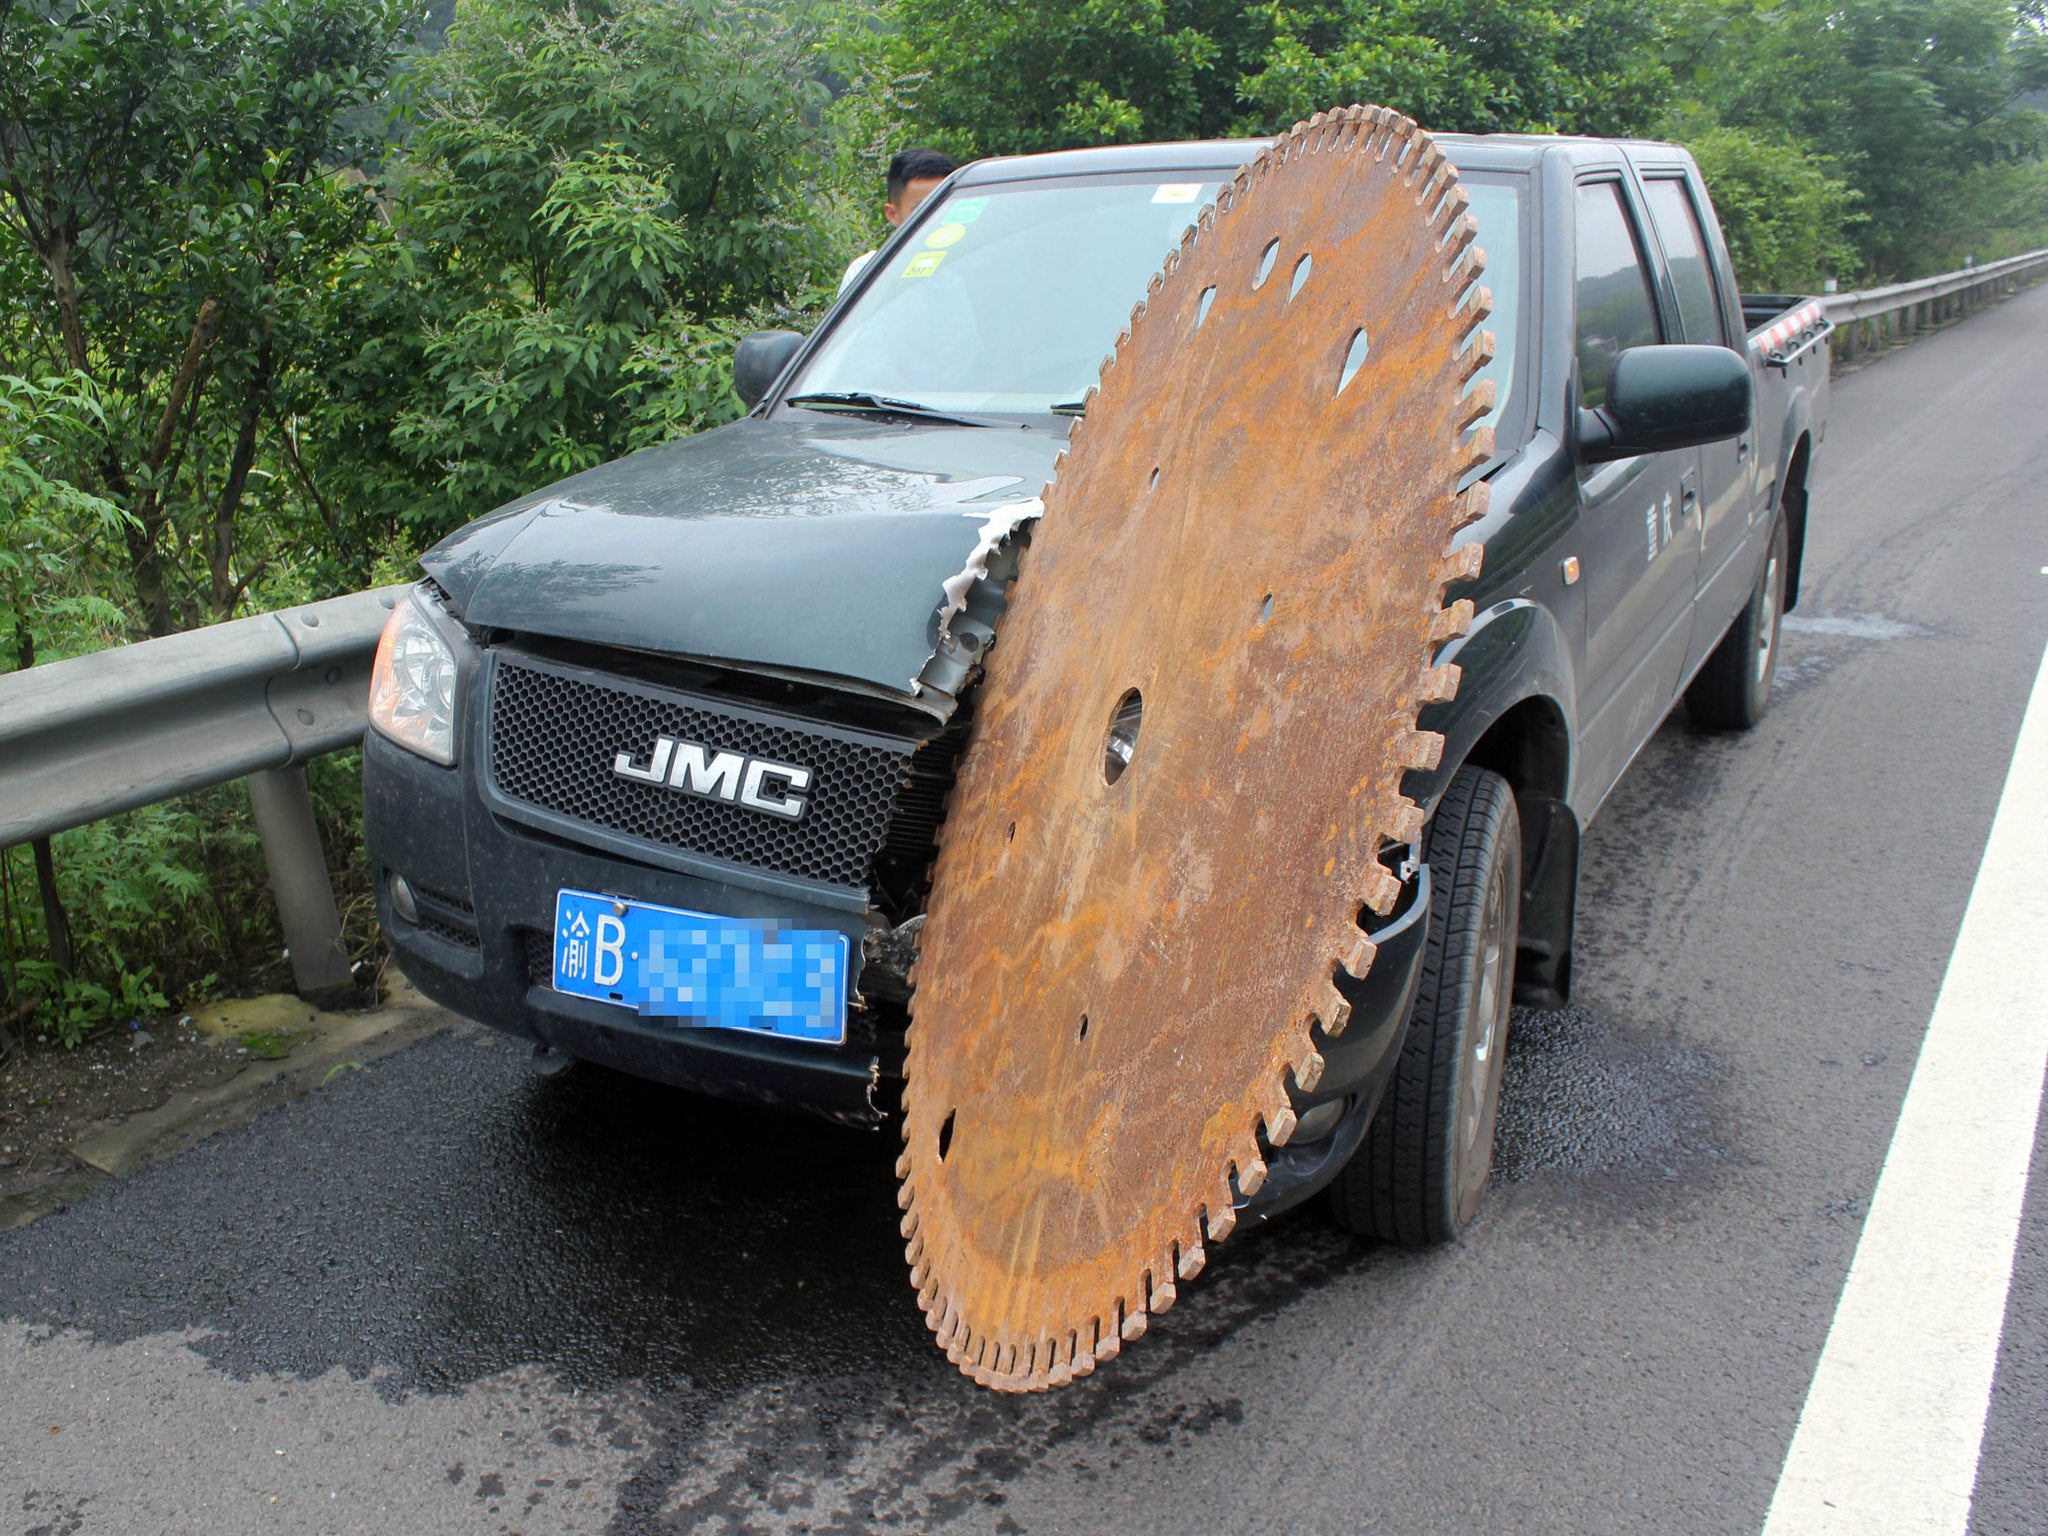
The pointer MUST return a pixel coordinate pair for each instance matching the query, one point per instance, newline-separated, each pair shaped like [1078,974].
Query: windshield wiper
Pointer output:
[883,405]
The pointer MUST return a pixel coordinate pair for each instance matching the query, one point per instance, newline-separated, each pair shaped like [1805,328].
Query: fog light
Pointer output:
[1316,1123]
[401,900]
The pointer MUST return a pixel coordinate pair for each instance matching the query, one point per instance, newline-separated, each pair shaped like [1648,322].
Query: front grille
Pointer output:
[554,735]
[461,938]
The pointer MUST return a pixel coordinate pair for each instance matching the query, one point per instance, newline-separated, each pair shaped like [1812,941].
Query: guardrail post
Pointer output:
[298,878]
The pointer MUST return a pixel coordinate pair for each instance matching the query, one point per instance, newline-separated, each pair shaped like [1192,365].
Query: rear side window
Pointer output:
[1616,309]
[1677,224]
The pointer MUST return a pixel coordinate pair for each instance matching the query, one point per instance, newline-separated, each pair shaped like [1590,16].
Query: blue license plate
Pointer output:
[698,968]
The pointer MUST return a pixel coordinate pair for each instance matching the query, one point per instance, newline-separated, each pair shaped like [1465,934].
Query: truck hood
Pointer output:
[832,547]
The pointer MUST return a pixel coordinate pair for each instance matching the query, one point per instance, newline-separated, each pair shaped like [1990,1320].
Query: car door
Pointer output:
[1726,495]
[1642,555]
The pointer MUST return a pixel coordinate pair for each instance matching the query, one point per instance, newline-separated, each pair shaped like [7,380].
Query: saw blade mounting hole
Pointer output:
[946,1134]
[1266,608]
[1354,359]
[1084,1026]
[1202,306]
[1301,271]
[1267,257]
[1121,744]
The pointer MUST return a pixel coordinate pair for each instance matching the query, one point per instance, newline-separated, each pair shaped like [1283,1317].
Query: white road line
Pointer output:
[1889,1437]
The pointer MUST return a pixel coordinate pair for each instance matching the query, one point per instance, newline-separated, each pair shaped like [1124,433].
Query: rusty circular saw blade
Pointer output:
[1119,979]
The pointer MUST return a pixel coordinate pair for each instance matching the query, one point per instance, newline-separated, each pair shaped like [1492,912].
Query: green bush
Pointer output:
[1787,217]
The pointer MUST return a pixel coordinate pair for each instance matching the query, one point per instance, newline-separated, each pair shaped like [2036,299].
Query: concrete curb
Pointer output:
[324,1046]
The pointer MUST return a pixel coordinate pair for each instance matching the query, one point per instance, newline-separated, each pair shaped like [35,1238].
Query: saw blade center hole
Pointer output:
[1121,744]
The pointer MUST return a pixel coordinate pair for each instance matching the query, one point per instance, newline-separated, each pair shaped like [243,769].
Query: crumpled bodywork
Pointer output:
[846,550]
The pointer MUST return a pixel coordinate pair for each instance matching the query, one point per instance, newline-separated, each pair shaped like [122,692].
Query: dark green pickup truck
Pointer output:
[660,751]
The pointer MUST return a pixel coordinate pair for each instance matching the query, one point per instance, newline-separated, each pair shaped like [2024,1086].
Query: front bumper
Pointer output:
[483,946]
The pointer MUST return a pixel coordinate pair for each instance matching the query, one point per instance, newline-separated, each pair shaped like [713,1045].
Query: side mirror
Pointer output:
[759,360]
[1668,397]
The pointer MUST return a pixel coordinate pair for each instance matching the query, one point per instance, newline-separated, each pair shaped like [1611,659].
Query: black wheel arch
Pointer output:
[1509,717]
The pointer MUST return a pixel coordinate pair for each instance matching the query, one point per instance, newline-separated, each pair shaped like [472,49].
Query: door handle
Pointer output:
[1741,449]
[1688,494]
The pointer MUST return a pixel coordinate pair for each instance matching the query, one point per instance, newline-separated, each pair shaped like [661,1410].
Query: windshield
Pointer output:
[1008,297]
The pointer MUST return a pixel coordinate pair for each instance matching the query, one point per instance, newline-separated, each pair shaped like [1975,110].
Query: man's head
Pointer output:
[914,174]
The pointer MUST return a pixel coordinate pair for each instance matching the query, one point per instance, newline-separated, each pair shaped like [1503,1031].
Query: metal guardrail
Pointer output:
[1875,316]
[251,698]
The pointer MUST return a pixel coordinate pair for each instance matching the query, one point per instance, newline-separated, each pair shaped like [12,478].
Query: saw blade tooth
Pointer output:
[1379,890]
[1475,403]
[1474,451]
[1279,1116]
[1251,1176]
[1459,238]
[1405,820]
[1461,564]
[1132,1328]
[913,1251]
[908,1226]
[1109,1342]
[1474,311]
[1464,272]
[1163,1293]
[1219,1217]
[1473,503]
[1358,963]
[1450,210]
[1420,750]
[1334,1014]
[1189,1259]
[1476,355]
[1451,622]
[903,1171]
[1307,1069]
[1438,684]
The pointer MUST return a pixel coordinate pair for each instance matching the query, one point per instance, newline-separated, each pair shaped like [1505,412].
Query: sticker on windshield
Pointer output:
[945,235]
[924,264]
[1177,192]
[966,211]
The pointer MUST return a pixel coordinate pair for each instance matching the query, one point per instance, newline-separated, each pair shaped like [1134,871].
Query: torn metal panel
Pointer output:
[975,596]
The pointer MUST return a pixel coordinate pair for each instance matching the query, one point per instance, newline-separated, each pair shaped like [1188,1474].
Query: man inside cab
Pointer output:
[914,174]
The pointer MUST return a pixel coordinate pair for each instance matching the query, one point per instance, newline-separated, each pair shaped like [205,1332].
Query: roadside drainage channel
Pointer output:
[298,1049]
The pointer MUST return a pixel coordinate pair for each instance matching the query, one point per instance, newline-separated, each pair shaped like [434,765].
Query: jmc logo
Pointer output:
[755,782]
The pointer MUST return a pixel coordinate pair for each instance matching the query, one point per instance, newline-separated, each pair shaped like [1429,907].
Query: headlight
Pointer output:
[412,686]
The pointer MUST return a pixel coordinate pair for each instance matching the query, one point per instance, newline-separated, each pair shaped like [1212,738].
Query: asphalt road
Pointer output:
[445,1294]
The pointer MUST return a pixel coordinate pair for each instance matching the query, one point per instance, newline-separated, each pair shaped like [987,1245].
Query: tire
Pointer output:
[1420,1173]
[1733,690]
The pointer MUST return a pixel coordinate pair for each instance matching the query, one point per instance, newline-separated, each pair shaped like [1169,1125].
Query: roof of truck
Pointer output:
[1470,151]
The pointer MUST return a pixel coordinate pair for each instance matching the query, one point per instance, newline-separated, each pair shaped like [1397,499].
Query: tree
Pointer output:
[590,200]
[1916,102]
[994,77]
[171,168]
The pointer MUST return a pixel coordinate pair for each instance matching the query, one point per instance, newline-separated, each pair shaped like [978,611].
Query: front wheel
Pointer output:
[1733,689]
[1421,1171]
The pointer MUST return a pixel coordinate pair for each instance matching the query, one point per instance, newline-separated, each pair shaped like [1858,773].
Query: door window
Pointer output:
[1677,224]
[1615,303]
